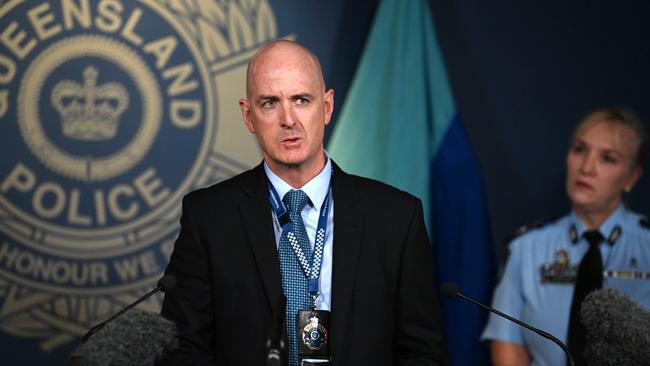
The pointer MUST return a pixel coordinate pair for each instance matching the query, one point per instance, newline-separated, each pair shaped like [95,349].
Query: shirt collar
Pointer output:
[607,227]
[316,189]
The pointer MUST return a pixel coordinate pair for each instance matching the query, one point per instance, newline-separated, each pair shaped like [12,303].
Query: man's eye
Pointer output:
[269,104]
[302,101]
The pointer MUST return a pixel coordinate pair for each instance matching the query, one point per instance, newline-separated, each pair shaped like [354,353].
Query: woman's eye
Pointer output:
[609,159]
[577,149]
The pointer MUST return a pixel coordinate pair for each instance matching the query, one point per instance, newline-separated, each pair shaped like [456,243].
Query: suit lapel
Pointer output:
[348,224]
[257,219]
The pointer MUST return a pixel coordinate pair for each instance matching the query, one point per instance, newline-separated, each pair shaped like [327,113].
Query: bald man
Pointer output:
[355,257]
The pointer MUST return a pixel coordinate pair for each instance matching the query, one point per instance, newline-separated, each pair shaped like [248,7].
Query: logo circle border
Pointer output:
[28,116]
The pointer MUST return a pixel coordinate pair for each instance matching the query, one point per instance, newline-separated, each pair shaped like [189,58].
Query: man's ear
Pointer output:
[246,114]
[328,100]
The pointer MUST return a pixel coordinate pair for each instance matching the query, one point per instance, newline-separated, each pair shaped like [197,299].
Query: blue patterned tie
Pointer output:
[294,280]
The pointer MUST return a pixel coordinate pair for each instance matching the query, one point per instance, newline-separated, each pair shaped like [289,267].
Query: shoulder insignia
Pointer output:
[645,222]
[528,227]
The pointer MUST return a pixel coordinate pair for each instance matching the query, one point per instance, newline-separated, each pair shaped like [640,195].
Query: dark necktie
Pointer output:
[590,278]
[294,280]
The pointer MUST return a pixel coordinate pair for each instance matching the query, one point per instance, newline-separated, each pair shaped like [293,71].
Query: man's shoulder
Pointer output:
[379,192]
[226,188]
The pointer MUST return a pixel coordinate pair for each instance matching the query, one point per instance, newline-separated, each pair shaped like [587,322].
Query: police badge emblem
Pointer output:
[111,111]
[312,327]
[314,334]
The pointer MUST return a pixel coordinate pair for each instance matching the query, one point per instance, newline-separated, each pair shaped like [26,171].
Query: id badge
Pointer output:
[313,334]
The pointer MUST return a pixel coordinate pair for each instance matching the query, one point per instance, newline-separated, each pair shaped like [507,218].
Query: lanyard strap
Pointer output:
[312,268]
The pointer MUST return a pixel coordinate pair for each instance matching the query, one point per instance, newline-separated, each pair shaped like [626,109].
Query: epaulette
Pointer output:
[645,223]
[528,227]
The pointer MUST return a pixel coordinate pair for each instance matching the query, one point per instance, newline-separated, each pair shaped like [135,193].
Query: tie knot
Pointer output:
[295,200]
[594,237]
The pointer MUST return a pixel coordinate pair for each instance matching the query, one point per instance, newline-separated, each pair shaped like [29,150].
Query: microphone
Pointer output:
[451,291]
[275,343]
[135,339]
[618,329]
[165,284]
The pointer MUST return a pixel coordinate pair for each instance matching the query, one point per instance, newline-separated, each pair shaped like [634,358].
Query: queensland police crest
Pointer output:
[111,110]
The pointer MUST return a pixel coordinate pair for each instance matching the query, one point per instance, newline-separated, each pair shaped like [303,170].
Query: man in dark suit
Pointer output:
[376,276]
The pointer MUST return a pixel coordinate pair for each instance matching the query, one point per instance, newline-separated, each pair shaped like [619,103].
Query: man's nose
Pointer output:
[287,117]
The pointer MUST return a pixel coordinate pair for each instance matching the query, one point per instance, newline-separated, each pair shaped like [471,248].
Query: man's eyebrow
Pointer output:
[265,98]
[302,96]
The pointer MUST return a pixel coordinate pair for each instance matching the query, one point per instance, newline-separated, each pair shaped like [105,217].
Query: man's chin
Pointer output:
[289,162]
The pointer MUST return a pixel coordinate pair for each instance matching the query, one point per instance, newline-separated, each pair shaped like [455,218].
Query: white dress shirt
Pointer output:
[316,189]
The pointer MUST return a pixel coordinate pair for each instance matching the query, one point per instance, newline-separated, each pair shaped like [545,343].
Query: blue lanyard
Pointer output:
[311,271]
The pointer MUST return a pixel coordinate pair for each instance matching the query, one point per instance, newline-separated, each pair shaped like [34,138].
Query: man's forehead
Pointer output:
[284,60]
[284,82]
[264,89]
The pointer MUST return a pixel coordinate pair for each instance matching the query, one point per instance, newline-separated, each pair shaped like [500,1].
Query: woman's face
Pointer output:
[600,166]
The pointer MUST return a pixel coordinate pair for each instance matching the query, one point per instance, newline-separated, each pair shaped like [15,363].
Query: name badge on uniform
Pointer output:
[560,271]
[313,334]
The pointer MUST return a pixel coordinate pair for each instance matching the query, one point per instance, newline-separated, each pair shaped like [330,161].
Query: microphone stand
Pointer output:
[167,283]
[448,288]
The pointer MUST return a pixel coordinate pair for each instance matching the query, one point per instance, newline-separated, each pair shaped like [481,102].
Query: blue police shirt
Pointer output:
[538,281]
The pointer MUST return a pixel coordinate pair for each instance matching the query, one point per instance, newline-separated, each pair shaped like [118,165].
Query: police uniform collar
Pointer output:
[611,228]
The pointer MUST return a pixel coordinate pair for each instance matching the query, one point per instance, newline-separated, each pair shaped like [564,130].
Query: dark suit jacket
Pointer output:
[384,307]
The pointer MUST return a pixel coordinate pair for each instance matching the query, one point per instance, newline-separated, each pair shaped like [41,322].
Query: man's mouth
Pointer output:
[294,140]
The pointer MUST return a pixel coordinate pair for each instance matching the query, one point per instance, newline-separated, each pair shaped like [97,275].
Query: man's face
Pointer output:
[600,166]
[287,108]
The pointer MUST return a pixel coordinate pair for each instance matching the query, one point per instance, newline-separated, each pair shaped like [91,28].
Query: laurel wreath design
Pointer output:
[59,318]
[221,29]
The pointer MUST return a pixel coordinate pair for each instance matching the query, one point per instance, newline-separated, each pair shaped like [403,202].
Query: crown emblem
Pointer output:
[89,112]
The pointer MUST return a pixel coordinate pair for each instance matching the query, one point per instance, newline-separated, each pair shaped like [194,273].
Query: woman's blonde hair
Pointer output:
[622,116]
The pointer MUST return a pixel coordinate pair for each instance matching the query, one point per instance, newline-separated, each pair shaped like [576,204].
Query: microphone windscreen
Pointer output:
[167,283]
[449,289]
[618,330]
[134,339]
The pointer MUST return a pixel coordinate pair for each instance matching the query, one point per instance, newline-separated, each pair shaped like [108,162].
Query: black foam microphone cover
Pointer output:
[618,330]
[137,338]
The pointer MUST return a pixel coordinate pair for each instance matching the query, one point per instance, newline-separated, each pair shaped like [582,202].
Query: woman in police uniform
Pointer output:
[604,161]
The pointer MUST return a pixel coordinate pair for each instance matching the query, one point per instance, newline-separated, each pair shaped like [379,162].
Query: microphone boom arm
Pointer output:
[102,324]
[165,284]
[451,290]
